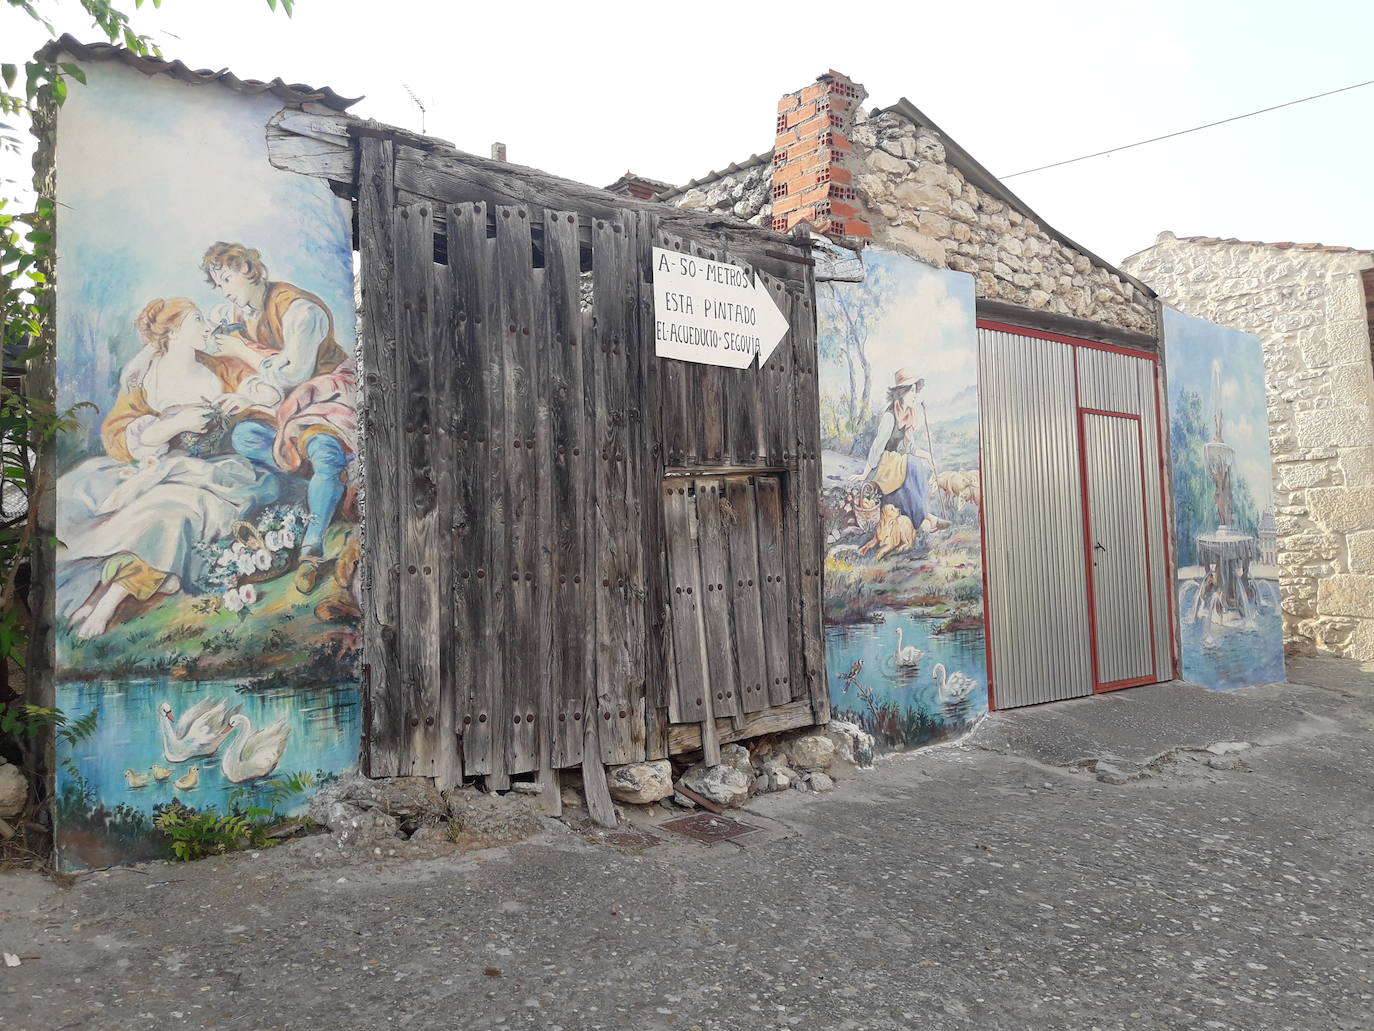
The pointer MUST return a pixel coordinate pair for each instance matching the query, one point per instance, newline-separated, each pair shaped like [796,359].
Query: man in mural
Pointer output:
[297,409]
[898,465]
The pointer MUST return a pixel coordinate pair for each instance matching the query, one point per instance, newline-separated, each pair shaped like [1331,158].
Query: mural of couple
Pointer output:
[901,496]
[1228,590]
[206,516]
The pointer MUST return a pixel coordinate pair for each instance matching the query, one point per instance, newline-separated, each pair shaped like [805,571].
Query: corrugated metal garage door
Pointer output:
[1033,510]
[1058,626]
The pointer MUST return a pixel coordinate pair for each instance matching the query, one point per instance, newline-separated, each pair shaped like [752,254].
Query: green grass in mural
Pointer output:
[191,637]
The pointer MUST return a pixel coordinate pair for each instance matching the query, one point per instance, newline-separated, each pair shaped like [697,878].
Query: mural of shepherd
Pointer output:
[901,499]
[208,537]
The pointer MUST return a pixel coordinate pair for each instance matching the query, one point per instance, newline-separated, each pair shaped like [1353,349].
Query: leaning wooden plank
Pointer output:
[687,701]
[715,601]
[448,763]
[515,288]
[594,784]
[774,598]
[808,479]
[386,711]
[657,625]
[420,621]
[791,493]
[743,586]
[619,432]
[686,738]
[570,489]
[548,659]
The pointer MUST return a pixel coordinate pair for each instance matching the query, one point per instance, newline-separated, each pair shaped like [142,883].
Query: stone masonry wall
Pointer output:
[918,203]
[1307,306]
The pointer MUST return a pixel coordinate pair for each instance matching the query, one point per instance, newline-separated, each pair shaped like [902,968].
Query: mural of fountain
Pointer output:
[1227,594]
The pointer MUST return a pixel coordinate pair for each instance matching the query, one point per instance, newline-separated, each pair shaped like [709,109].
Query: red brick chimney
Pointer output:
[810,182]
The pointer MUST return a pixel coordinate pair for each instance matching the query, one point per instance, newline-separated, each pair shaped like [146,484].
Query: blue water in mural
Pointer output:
[1227,657]
[324,737]
[883,684]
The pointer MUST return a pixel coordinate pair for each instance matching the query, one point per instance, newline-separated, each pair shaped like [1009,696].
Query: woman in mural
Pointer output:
[896,463]
[128,522]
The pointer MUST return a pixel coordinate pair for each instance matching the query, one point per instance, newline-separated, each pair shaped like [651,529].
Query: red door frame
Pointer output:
[1153,359]
[1099,685]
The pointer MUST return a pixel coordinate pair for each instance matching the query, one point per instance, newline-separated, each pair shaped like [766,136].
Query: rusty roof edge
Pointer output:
[983,179]
[291,93]
[715,175]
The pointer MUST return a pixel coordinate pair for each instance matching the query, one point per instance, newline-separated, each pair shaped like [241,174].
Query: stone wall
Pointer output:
[919,202]
[1307,305]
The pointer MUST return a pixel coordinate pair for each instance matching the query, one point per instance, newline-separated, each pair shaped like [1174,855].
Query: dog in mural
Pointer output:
[895,534]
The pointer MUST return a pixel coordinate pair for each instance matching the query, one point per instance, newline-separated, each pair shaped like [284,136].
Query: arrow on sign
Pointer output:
[712,312]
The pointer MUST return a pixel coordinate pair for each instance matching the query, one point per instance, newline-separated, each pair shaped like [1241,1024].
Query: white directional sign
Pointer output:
[711,312]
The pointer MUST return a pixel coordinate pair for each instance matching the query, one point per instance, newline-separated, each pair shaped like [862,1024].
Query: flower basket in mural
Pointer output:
[900,501]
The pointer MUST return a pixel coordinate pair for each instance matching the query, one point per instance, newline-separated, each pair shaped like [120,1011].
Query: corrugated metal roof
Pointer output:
[291,93]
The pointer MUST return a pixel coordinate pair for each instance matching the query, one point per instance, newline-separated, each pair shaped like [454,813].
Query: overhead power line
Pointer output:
[1184,132]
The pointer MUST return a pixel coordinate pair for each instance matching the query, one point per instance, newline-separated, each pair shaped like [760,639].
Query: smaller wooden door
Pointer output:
[1118,551]
[729,596]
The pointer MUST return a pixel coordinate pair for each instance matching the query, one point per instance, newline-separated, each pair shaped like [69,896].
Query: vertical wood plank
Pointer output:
[721,658]
[571,489]
[774,600]
[419,651]
[808,478]
[746,614]
[448,762]
[687,701]
[377,246]
[777,399]
[619,438]
[658,634]
[516,287]
[474,645]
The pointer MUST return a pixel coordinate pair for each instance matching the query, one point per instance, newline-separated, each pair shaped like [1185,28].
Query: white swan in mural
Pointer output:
[200,731]
[910,655]
[954,687]
[253,753]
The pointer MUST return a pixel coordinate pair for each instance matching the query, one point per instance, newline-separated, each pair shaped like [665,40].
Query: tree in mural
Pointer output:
[842,338]
[1195,505]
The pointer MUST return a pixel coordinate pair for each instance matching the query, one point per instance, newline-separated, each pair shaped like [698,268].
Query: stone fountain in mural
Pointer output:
[1228,594]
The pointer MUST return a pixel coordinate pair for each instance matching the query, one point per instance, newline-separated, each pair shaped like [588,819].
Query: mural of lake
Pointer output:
[109,818]
[1227,657]
[901,704]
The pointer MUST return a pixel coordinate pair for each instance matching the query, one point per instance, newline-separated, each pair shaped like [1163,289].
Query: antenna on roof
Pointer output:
[416,101]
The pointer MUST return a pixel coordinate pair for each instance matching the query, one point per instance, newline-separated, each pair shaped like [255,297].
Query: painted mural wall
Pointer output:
[1228,597]
[205,504]
[904,629]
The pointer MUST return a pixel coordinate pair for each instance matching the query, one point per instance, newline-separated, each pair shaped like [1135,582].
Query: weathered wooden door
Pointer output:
[521,440]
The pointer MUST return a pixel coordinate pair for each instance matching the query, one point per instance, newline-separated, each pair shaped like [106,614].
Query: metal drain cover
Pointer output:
[632,839]
[708,827]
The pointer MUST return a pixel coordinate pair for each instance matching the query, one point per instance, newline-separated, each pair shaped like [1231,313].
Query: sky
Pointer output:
[588,91]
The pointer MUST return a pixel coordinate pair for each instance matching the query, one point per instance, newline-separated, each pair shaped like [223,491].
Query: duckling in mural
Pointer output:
[160,773]
[136,780]
[191,780]
[200,731]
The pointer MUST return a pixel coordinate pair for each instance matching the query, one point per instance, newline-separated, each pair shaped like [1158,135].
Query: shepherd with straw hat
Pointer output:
[896,462]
